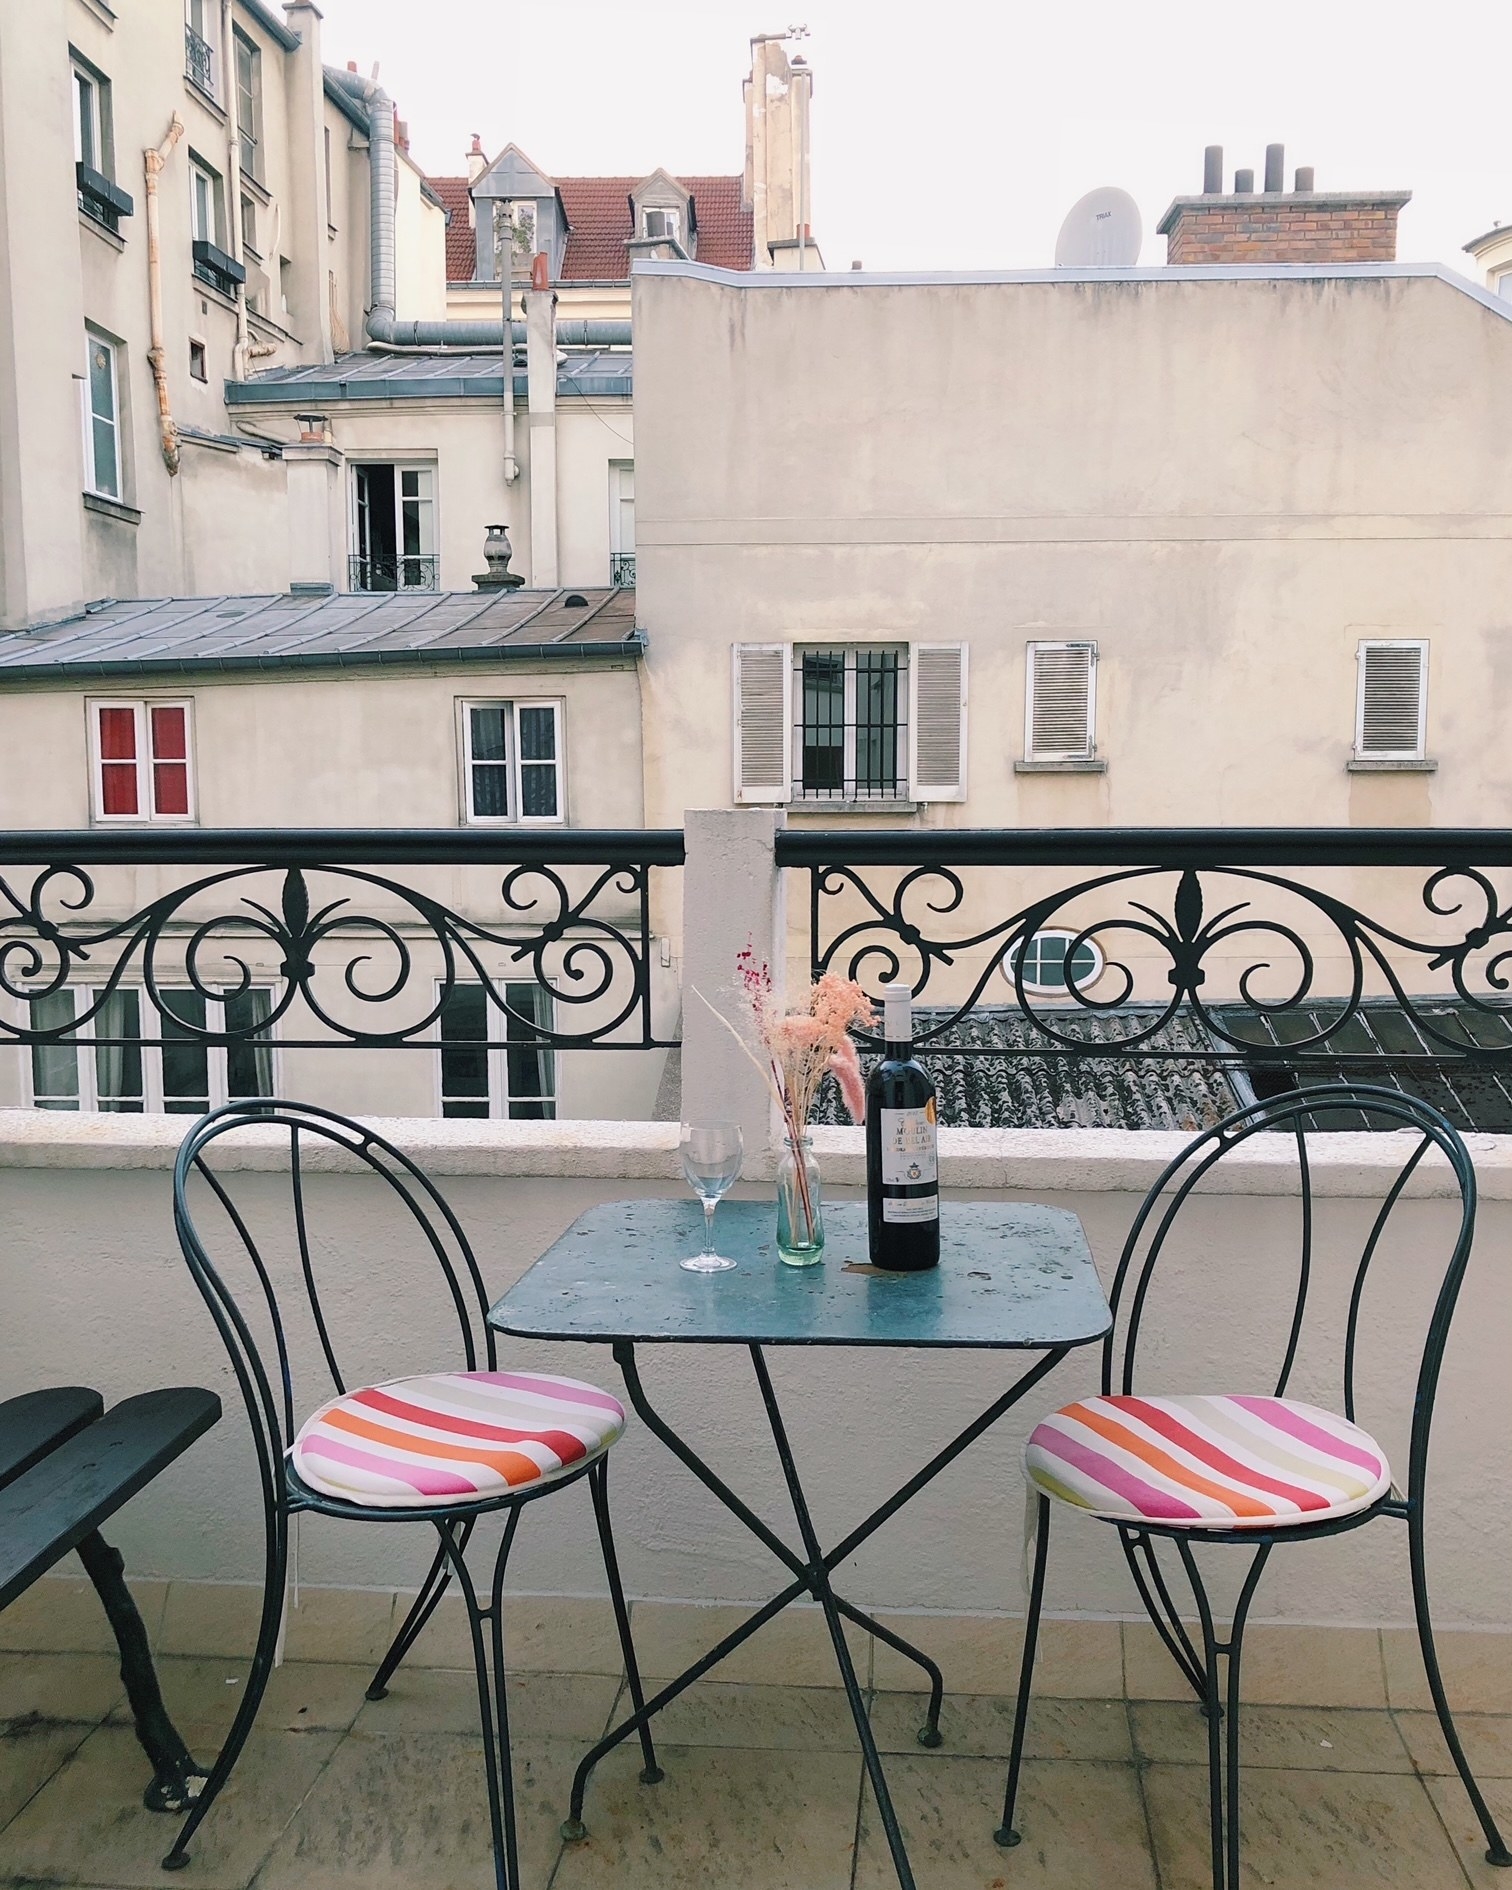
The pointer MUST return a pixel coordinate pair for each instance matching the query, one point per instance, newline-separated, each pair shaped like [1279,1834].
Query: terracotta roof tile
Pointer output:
[598,215]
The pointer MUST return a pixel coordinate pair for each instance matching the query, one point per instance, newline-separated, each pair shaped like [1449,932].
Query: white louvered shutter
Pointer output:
[763,721]
[1393,698]
[937,722]
[1060,708]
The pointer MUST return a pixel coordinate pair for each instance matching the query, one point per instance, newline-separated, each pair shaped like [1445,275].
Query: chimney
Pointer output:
[776,188]
[1274,226]
[477,160]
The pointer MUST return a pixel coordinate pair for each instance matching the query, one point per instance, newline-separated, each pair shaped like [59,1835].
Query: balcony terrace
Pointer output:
[1346,1776]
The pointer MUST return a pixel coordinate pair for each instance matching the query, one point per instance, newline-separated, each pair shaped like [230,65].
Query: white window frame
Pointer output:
[248,133]
[512,763]
[215,193]
[1036,985]
[94,339]
[150,1023]
[497,1054]
[100,130]
[428,515]
[1420,750]
[146,797]
[202,17]
[1087,753]
[672,233]
[621,475]
[800,796]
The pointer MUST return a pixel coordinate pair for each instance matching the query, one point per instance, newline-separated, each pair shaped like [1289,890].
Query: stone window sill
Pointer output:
[96,228]
[208,99]
[111,508]
[1092,765]
[826,808]
[1375,764]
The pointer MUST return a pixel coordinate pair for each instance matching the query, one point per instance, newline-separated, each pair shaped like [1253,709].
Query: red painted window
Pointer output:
[118,761]
[170,759]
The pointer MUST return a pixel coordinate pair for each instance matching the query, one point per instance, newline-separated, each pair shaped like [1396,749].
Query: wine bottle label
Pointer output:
[908,1148]
[909,1212]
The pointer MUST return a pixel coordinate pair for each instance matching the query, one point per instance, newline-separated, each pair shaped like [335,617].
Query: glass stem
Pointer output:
[708,1208]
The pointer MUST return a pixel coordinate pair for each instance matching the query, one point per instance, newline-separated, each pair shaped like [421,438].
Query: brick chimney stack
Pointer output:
[1276,226]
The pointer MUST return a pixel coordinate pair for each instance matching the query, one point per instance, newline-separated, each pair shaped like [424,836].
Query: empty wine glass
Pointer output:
[711,1156]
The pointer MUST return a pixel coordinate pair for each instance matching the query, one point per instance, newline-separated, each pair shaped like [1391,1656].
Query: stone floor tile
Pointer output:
[445,1700]
[88,1824]
[722,1819]
[211,1619]
[542,1634]
[1076,1660]
[1283,1666]
[789,1719]
[1305,1831]
[1082,1825]
[220,1619]
[411,1813]
[59,1686]
[301,1696]
[32,1749]
[1465,1834]
[1298,1738]
[794,1650]
[63,1615]
[981,1726]
[1486,1737]
[1477,1670]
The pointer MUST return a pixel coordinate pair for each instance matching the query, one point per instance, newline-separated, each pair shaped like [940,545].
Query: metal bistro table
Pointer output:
[1012,1276]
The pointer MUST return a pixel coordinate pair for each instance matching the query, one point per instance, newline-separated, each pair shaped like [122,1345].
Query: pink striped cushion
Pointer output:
[1226,1463]
[453,1437]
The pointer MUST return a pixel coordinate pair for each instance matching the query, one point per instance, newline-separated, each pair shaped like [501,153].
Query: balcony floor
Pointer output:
[763,1788]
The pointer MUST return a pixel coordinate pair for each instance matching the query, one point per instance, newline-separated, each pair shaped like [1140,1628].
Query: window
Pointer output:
[394,528]
[93,144]
[199,43]
[248,103]
[198,364]
[517,226]
[102,421]
[665,225]
[330,215]
[1047,968]
[207,204]
[1391,701]
[850,723]
[112,1069]
[622,521]
[1060,702]
[493,1062]
[142,761]
[249,227]
[512,760]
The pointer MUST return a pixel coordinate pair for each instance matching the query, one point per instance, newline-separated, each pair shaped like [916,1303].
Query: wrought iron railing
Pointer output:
[405,572]
[622,569]
[199,61]
[1237,949]
[358,957]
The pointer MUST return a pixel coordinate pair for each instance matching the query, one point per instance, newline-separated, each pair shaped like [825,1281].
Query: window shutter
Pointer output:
[937,722]
[118,759]
[763,721]
[1393,696]
[1060,701]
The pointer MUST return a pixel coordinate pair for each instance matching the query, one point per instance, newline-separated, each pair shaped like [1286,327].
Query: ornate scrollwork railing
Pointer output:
[1186,924]
[360,956]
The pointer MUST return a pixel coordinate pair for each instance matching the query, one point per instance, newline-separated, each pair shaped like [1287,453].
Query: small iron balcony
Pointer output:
[199,61]
[622,569]
[404,573]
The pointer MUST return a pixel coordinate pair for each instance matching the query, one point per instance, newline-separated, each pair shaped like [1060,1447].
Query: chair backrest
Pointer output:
[1298,1115]
[265,1367]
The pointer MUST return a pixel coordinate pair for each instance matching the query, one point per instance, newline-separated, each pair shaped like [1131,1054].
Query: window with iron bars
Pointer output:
[850,739]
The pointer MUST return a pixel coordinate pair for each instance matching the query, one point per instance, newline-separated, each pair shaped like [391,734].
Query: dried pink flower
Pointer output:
[845,1066]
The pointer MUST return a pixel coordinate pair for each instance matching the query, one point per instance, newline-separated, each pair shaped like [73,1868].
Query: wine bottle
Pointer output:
[902,1162]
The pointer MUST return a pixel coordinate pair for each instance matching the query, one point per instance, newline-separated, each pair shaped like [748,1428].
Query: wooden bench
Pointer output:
[66,1466]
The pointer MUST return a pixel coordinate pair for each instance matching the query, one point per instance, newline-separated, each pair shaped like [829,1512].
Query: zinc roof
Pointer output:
[373,376]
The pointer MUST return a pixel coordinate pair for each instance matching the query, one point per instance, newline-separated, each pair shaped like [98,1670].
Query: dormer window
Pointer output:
[661,225]
[516,224]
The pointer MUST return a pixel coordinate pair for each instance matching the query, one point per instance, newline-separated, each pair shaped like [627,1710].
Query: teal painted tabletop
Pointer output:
[1011,1274]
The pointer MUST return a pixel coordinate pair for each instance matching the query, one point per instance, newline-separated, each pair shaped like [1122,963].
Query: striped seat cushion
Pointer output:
[1226,1463]
[453,1437]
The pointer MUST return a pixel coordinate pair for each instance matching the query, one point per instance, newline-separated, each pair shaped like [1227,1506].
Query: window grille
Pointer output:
[851,737]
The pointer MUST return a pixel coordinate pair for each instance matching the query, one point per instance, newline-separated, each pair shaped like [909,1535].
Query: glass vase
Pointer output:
[800,1213]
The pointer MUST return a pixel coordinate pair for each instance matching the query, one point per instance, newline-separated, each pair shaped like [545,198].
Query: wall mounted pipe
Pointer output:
[153,162]
[480,337]
[241,353]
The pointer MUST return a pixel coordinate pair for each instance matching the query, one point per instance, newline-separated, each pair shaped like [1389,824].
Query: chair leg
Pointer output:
[1496,1845]
[493,1706]
[1218,1706]
[1212,1710]
[274,1583]
[435,1585]
[1005,1834]
[598,1484]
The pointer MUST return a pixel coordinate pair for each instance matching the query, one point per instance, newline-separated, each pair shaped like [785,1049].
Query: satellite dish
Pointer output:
[1102,231]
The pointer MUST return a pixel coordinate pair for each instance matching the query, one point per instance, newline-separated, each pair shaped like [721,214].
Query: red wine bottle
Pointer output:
[902,1160]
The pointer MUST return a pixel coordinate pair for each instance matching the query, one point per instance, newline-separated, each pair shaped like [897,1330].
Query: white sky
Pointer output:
[957,135]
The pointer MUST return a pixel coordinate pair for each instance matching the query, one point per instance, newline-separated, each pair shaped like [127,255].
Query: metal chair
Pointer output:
[1253,1471]
[429,1449]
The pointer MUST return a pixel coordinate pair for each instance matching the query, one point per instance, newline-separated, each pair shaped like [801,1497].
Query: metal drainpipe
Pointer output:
[154,160]
[240,353]
[505,253]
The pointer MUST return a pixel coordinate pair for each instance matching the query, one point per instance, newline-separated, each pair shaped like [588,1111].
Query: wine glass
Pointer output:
[711,1156]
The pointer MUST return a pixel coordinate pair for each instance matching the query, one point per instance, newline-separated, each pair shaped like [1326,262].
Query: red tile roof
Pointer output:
[598,216]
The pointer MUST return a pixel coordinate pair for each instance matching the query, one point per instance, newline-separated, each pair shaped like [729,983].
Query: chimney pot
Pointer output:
[1275,167]
[1212,171]
[1305,184]
[1244,183]
[857,263]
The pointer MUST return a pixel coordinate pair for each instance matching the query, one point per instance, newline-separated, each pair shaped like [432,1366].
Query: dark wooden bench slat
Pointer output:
[39,1421]
[46,1512]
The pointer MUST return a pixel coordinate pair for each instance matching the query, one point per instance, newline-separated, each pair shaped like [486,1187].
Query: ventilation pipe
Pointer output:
[153,161]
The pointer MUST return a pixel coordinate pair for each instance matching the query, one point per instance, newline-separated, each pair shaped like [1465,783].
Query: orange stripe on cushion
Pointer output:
[1167,1465]
[512,1465]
